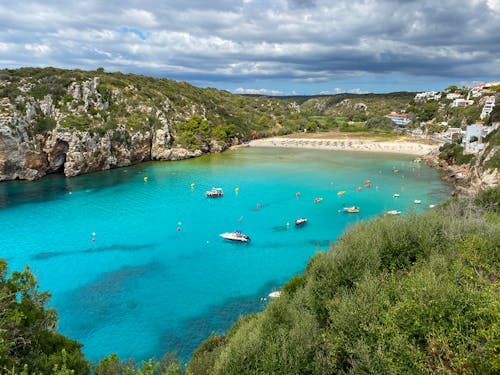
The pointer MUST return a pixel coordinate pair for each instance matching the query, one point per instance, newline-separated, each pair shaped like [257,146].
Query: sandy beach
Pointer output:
[397,146]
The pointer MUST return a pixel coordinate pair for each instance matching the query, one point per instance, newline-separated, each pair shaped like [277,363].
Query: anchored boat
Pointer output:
[214,193]
[300,221]
[235,236]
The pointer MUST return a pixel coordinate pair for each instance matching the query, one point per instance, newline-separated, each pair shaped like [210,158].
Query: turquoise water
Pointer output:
[158,277]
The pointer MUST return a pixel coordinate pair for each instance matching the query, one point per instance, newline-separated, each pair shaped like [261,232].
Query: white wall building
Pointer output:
[453,95]
[462,102]
[473,141]
[488,106]
[428,95]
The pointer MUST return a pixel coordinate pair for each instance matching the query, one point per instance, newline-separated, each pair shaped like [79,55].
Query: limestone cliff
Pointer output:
[80,125]
[469,178]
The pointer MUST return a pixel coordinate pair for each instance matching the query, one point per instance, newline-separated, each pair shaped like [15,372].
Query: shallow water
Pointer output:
[138,268]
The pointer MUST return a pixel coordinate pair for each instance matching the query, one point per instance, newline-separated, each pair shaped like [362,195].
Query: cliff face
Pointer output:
[469,179]
[86,128]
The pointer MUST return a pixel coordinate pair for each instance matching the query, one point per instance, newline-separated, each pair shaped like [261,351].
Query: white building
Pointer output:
[428,95]
[488,106]
[453,95]
[461,102]
[400,119]
[473,141]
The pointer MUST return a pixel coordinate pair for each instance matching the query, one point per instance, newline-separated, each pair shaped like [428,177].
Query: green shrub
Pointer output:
[454,154]
[44,124]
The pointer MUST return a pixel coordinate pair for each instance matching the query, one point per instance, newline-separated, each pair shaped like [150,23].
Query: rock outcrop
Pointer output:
[42,136]
[468,179]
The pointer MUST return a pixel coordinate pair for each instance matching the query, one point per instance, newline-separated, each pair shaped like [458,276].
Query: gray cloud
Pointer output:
[300,40]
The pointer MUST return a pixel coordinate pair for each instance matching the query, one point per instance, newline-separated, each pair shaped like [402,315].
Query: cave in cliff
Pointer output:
[57,156]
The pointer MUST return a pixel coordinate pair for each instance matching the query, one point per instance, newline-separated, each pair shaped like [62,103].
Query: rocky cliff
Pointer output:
[469,178]
[73,122]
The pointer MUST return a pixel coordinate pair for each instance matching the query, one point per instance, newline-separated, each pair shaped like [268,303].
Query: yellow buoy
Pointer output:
[192,185]
[236,189]
[145,178]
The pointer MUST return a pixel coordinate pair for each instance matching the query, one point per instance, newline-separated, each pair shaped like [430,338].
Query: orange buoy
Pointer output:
[358,188]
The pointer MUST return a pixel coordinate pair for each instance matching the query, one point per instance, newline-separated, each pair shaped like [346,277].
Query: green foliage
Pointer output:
[198,131]
[454,154]
[169,365]
[435,128]
[394,295]
[352,127]
[28,340]
[78,122]
[203,359]
[382,123]
[494,161]
[427,111]
[489,199]
[44,124]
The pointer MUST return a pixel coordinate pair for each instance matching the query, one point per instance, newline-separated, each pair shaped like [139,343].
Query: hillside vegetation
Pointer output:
[248,115]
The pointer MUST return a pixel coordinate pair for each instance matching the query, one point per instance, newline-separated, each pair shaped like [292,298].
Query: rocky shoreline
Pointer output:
[466,179]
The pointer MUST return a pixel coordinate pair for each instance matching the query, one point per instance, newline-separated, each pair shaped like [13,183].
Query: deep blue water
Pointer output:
[158,277]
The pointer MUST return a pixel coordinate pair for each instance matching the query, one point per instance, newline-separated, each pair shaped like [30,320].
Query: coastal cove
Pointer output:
[136,266]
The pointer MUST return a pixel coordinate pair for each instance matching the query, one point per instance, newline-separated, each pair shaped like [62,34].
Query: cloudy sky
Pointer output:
[277,47]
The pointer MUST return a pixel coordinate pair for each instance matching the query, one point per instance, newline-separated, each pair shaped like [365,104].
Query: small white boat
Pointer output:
[300,221]
[417,201]
[235,236]
[432,205]
[395,195]
[417,160]
[276,294]
[214,193]
[393,212]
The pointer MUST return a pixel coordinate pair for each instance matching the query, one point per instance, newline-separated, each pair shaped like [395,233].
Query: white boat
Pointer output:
[300,221]
[417,201]
[432,205]
[214,193]
[276,294]
[393,212]
[235,236]
[395,195]
[417,160]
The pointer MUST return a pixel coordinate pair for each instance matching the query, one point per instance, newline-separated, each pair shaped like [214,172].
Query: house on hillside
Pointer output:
[399,119]
[489,104]
[473,140]
[476,91]
[453,95]
[428,95]
[461,102]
